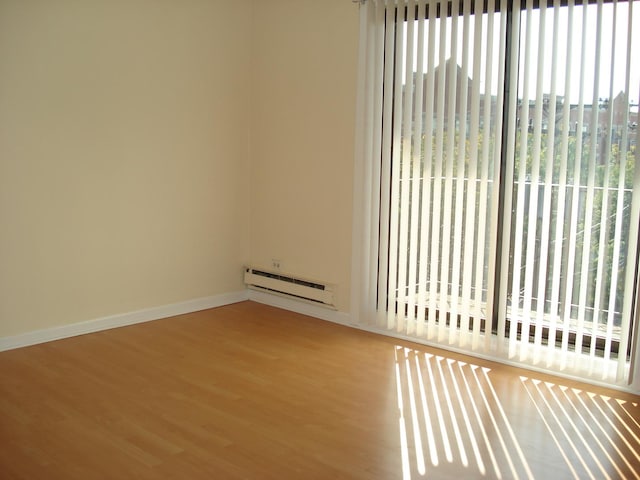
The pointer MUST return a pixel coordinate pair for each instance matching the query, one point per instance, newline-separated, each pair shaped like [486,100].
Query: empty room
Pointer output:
[319,239]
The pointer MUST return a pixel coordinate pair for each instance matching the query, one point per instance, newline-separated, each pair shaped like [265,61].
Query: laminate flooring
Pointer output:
[249,391]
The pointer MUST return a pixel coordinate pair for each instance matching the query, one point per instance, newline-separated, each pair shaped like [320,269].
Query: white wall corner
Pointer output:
[120,320]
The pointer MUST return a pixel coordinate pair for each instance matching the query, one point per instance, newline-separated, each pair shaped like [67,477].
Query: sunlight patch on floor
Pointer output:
[455,421]
[450,417]
[597,437]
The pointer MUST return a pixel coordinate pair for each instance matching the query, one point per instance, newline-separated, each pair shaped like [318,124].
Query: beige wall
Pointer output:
[302,137]
[123,156]
[150,148]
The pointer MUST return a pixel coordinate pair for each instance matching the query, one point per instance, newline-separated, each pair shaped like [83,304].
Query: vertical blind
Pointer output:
[497,178]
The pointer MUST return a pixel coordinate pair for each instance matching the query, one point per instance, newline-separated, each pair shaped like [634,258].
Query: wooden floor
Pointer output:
[249,391]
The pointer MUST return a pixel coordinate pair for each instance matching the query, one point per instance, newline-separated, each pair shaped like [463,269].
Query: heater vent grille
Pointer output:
[275,282]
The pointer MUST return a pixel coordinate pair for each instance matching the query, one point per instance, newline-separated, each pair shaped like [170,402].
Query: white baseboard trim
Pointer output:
[120,320]
[345,319]
[301,307]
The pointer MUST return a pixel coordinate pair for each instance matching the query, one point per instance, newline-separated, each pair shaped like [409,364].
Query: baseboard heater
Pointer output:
[311,291]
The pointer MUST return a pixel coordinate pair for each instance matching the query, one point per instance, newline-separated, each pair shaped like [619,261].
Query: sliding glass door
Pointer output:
[504,182]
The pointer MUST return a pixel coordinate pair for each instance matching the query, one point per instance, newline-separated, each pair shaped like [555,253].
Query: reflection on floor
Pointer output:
[454,420]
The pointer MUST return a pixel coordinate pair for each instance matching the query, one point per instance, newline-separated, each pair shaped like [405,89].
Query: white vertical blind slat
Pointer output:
[364,148]
[471,247]
[588,224]
[385,176]
[530,264]
[478,249]
[438,290]
[501,310]
[396,155]
[452,105]
[516,315]
[562,189]
[417,179]
[632,247]
[426,79]
[374,174]
[573,229]
[368,145]
[427,261]
[405,168]
[604,210]
[619,205]
[459,159]
[543,272]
